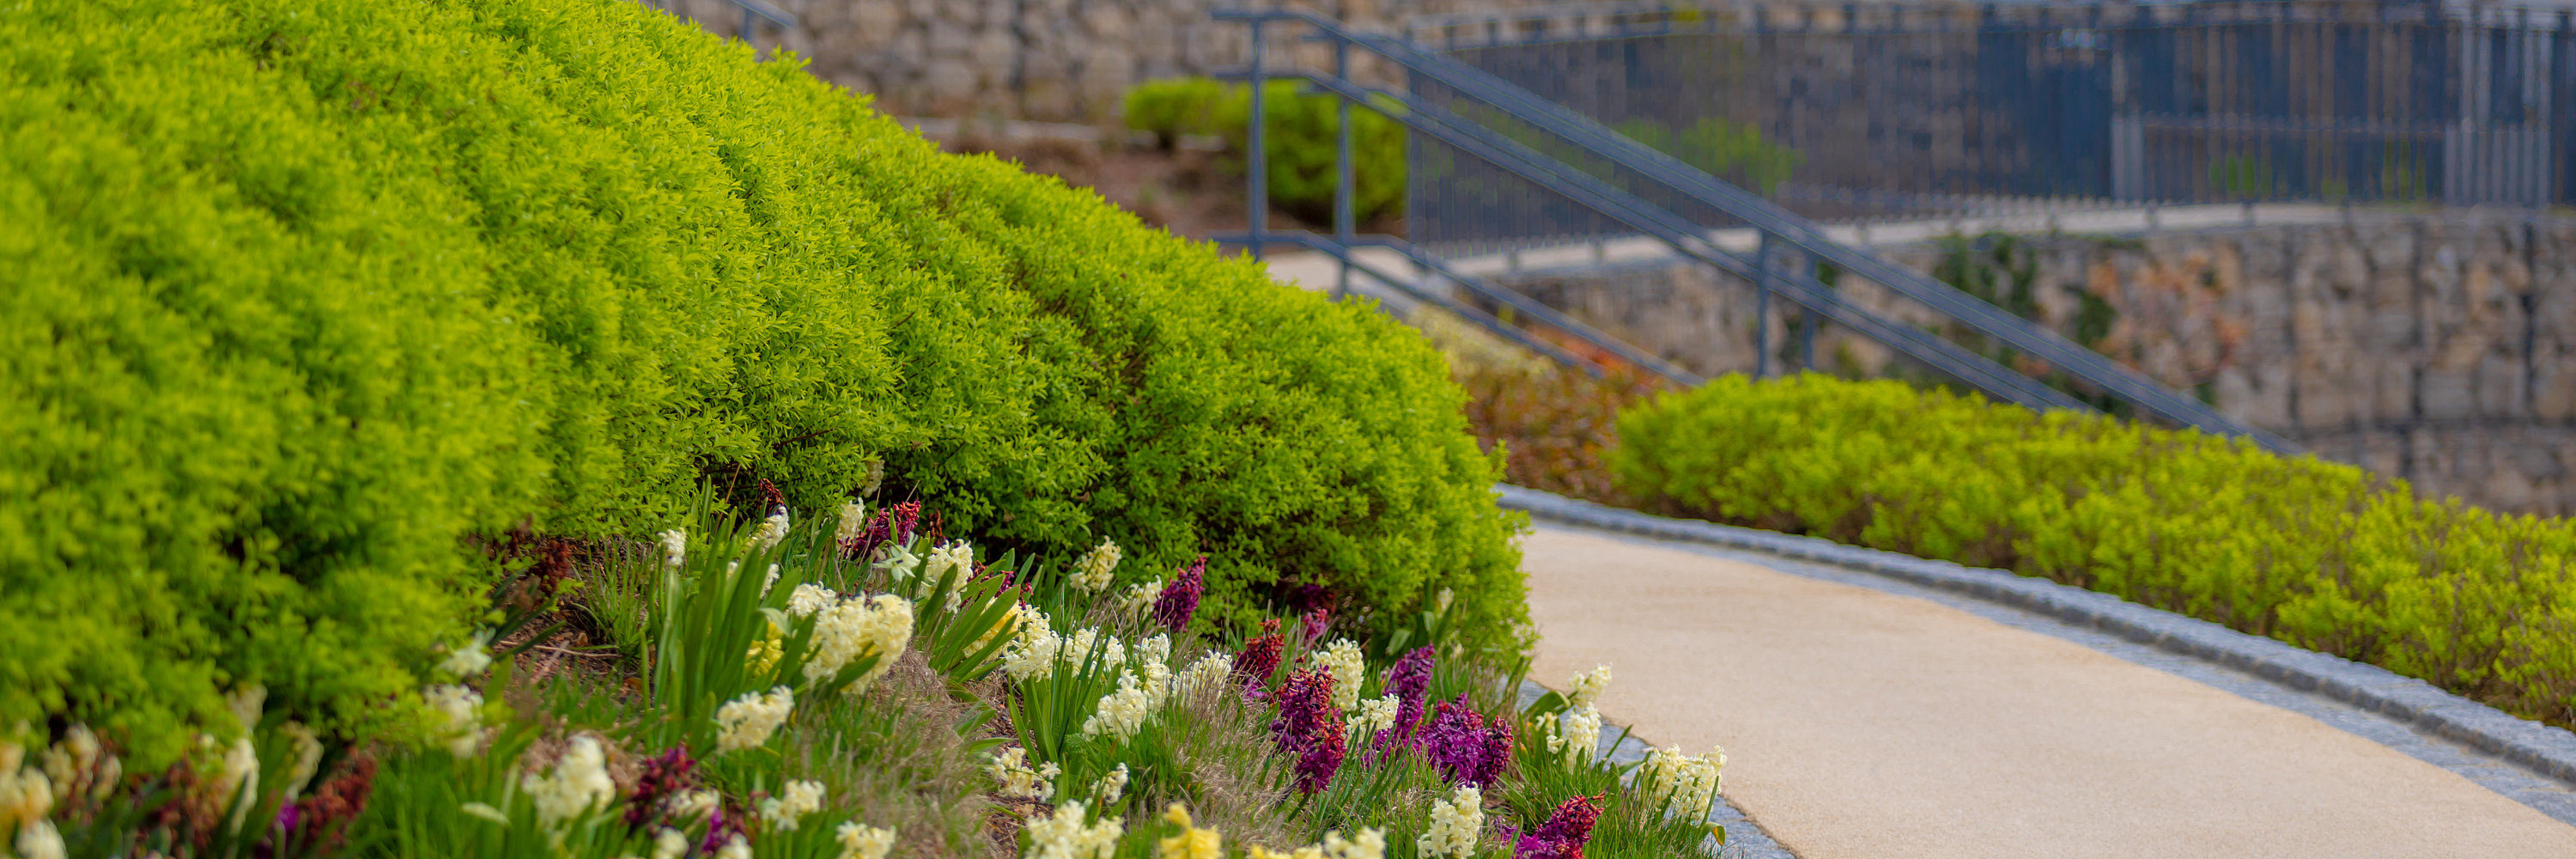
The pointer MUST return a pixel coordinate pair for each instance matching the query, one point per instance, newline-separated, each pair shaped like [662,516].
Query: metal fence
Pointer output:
[1901,110]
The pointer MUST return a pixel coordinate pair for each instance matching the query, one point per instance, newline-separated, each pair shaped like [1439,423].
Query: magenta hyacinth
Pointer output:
[1310,727]
[1260,656]
[1409,679]
[1181,598]
[1498,753]
[1564,833]
[663,776]
[1315,624]
[1455,741]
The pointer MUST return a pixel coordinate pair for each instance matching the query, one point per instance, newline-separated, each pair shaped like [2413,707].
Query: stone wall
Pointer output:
[2437,348]
[1045,60]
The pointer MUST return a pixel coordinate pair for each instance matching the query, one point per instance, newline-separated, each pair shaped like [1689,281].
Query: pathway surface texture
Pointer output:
[1860,723]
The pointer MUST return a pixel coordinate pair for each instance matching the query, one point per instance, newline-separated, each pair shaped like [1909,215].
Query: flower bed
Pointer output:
[849,687]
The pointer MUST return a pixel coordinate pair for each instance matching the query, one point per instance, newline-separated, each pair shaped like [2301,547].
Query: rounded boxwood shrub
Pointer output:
[305,295]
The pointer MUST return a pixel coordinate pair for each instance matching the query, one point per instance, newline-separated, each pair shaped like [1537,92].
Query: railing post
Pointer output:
[1257,179]
[1344,185]
[1762,308]
[1807,321]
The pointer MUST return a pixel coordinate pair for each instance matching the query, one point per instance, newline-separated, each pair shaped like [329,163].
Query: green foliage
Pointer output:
[2317,554]
[1300,136]
[304,292]
[1720,148]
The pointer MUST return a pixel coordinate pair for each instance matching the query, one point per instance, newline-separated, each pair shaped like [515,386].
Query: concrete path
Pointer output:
[1865,724]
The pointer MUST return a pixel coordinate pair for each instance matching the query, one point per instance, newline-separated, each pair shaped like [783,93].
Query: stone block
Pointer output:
[2447,394]
[2501,384]
[2392,387]
[2553,390]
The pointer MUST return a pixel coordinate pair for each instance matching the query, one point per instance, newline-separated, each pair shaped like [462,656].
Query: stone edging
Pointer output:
[1744,838]
[2541,749]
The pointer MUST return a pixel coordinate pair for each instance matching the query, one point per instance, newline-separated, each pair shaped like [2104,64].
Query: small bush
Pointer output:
[305,295]
[2317,554]
[1300,136]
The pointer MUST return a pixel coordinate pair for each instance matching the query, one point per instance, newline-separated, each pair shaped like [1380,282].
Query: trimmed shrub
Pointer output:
[305,294]
[2317,554]
[1301,136]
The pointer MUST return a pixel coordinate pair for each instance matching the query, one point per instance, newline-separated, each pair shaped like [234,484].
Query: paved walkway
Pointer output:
[1865,724]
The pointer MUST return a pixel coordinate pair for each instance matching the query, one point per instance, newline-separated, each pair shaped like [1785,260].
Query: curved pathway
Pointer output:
[1862,723]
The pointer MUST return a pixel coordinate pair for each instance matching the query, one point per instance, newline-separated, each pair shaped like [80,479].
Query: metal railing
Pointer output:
[753,12]
[1902,108]
[1570,161]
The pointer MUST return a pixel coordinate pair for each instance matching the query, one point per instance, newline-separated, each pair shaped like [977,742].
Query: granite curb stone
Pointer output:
[2541,749]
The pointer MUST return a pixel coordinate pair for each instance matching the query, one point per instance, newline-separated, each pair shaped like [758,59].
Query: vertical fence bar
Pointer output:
[1343,185]
[1762,308]
[1807,321]
[1256,174]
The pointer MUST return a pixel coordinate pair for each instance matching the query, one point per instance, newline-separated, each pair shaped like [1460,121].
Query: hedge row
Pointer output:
[2320,555]
[1301,134]
[305,293]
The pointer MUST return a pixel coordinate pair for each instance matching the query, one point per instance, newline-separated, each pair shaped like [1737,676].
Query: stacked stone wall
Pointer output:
[1043,60]
[2440,348]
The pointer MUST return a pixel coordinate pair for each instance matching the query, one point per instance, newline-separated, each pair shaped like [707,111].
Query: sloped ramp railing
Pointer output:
[1782,232]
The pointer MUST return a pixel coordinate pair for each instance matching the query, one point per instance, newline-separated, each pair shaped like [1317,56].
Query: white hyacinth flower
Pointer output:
[675,548]
[864,842]
[1455,824]
[797,799]
[747,721]
[1091,575]
[1584,688]
[1348,668]
[578,784]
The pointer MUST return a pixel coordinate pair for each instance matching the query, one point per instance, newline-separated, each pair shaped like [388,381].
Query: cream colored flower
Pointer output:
[696,804]
[1064,836]
[1091,575]
[797,799]
[854,522]
[1456,823]
[39,840]
[1581,737]
[865,842]
[880,625]
[1209,672]
[485,811]
[463,708]
[955,555]
[670,844]
[1682,785]
[26,793]
[1371,844]
[578,784]
[469,659]
[747,721]
[1140,598]
[734,849]
[308,758]
[1112,787]
[1013,779]
[1121,713]
[1342,658]
[1584,688]
[772,531]
[675,548]
[1375,715]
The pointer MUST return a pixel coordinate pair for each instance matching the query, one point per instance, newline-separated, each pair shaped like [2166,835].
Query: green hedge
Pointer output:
[2320,555]
[1301,134]
[304,294]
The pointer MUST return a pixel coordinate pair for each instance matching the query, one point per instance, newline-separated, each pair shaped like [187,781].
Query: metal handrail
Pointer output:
[1773,222]
[1469,312]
